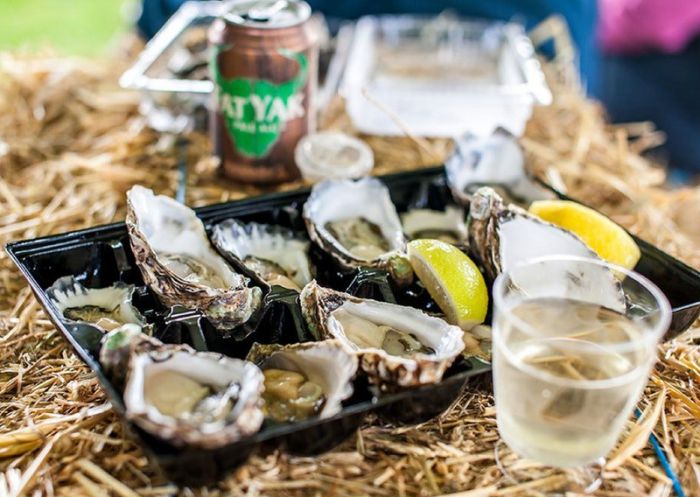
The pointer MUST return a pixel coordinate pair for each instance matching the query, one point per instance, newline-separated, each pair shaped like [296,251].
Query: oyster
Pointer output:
[107,308]
[496,161]
[447,225]
[193,398]
[304,379]
[397,345]
[356,223]
[117,346]
[501,236]
[276,254]
[178,263]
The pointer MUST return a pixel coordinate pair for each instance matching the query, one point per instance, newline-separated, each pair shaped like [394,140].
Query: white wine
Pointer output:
[564,390]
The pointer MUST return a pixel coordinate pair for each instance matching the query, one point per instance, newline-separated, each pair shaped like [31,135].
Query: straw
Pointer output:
[72,144]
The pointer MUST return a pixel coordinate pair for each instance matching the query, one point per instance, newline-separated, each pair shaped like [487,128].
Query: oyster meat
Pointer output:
[290,396]
[362,238]
[447,226]
[199,399]
[304,379]
[496,161]
[276,254]
[502,236]
[177,261]
[107,308]
[357,224]
[397,345]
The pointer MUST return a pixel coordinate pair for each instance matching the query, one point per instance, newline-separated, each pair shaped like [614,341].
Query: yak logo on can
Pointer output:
[256,110]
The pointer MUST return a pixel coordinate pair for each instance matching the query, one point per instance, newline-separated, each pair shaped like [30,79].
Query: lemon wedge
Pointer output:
[452,279]
[607,239]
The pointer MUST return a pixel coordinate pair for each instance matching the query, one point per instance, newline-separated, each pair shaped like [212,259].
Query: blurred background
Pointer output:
[80,27]
[640,58]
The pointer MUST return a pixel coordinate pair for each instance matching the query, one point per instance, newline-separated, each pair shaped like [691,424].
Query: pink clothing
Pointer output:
[635,26]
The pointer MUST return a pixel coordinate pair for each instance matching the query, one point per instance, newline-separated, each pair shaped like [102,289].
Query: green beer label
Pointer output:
[256,110]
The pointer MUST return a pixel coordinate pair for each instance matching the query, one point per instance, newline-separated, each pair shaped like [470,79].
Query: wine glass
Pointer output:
[574,341]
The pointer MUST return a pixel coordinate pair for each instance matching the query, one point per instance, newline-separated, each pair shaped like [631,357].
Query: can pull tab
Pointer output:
[266,12]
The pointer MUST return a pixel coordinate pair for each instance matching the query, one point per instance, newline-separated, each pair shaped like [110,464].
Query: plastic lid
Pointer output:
[333,155]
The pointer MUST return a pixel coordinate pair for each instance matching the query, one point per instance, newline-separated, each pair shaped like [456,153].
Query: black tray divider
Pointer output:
[290,300]
[180,319]
[121,260]
[372,284]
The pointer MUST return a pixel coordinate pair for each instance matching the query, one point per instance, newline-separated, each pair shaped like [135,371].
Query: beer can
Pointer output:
[264,66]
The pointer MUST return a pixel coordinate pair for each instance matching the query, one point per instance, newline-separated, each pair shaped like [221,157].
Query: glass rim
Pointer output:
[648,341]
[651,337]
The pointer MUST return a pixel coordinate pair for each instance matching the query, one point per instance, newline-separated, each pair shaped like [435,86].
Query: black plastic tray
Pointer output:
[101,255]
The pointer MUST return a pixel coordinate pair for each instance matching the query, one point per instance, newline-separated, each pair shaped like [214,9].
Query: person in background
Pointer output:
[651,71]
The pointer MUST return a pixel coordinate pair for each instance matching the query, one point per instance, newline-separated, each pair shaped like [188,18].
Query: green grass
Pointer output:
[81,27]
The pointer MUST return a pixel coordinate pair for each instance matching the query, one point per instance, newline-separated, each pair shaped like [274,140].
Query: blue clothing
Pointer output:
[661,88]
[580,15]
[154,13]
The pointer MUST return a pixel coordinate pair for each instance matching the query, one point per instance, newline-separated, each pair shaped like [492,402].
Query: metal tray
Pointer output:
[148,72]
[441,75]
[101,256]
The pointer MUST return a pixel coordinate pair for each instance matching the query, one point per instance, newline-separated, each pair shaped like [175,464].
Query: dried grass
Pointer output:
[72,144]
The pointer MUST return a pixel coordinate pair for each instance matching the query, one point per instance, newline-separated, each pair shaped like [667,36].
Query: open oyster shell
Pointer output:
[363,327]
[501,236]
[496,161]
[357,224]
[326,363]
[199,399]
[106,308]
[276,254]
[178,263]
[117,346]
[447,225]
